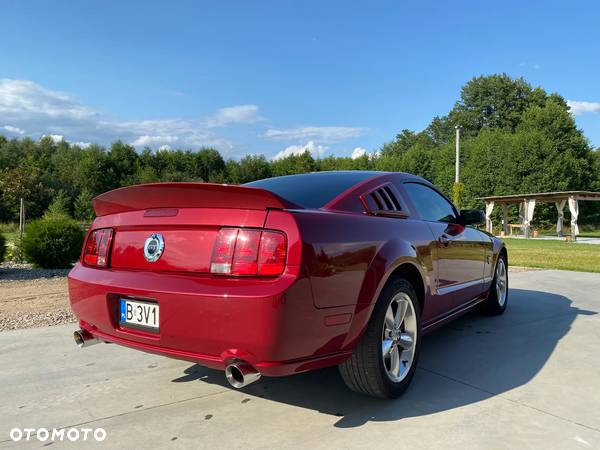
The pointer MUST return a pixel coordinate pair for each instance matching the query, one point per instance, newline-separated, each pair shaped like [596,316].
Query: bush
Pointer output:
[2,247]
[53,242]
[14,251]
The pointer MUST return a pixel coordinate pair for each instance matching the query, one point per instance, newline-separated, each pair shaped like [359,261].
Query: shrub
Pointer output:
[14,251]
[53,242]
[2,247]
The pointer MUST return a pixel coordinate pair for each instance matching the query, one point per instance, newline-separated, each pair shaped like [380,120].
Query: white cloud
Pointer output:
[149,141]
[55,137]
[529,65]
[164,148]
[358,152]
[578,108]
[234,114]
[315,150]
[25,105]
[29,106]
[82,144]
[14,130]
[324,134]
[26,99]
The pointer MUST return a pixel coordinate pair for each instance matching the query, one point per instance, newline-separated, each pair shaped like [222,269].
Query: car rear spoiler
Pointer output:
[187,195]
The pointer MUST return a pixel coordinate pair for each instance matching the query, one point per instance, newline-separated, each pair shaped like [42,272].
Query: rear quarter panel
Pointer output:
[348,256]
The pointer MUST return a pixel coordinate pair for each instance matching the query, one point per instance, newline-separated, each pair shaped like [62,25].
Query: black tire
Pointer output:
[364,371]
[492,305]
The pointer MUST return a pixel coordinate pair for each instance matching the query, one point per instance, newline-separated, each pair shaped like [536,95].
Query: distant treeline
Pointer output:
[516,139]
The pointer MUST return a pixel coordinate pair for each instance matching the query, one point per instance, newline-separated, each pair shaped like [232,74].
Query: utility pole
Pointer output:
[22,219]
[457,173]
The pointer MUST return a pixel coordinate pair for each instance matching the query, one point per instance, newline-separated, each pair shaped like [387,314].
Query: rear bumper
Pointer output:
[271,324]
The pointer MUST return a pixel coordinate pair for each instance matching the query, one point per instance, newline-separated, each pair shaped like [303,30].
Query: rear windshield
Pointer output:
[312,190]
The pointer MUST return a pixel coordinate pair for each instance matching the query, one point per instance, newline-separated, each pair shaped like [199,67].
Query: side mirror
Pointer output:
[472,216]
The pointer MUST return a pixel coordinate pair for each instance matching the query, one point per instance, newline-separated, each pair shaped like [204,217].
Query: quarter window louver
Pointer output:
[384,201]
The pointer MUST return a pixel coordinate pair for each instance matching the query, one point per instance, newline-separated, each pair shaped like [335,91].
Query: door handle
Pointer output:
[443,239]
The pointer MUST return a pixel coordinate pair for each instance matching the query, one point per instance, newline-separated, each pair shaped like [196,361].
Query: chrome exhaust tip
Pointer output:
[241,374]
[84,338]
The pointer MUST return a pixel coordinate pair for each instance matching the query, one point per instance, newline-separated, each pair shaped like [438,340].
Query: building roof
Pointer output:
[543,196]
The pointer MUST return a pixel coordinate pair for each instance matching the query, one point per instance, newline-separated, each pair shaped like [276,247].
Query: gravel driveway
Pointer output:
[33,297]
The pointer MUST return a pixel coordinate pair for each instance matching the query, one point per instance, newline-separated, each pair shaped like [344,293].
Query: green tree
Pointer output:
[302,163]
[250,168]
[84,210]
[121,164]
[494,101]
[211,164]
[405,141]
[60,205]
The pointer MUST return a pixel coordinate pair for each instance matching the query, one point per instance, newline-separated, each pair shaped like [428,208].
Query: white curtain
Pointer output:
[574,208]
[522,212]
[528,209]
[489,207]
[560,207]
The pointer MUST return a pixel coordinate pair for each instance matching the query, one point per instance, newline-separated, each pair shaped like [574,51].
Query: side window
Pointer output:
[430,204]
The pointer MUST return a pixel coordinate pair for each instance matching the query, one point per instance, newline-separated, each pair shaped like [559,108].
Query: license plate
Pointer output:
[139,314]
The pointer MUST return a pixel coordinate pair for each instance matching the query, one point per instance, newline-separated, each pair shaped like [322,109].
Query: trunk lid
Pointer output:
[188,217]
[187,195]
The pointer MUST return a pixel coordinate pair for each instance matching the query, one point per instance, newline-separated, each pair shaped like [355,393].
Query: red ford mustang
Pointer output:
[286,274]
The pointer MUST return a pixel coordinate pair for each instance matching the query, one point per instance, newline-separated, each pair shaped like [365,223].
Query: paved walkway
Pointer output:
[580,239]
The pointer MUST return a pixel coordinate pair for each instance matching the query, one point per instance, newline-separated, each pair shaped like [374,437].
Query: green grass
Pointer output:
[553,255]
[584,231]
[590,233]
[11,237]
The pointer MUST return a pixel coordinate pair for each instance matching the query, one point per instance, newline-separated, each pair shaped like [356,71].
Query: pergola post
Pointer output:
[505,218]
[560,207]
[574,208]
[489,208]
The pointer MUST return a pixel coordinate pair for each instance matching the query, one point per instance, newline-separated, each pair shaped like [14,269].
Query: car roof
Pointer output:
[333,173]
[317,189]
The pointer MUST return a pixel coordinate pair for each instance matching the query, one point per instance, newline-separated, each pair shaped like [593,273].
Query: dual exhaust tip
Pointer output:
[239,374]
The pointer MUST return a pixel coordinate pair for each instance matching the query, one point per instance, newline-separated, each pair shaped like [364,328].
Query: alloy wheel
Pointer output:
[399,337]
[501,282]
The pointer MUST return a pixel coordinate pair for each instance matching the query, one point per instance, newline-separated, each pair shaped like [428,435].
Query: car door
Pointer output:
[458,251]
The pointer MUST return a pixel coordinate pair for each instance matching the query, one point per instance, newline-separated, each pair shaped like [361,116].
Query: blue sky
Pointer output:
[278,76]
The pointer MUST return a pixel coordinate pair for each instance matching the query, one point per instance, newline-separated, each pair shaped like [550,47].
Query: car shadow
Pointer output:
[471,359]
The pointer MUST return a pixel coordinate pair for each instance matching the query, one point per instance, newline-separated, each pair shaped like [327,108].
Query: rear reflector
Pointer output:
[240,251]
[271,259]
[97,246]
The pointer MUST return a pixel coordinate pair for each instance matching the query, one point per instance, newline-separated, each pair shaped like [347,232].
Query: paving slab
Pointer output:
[527,379]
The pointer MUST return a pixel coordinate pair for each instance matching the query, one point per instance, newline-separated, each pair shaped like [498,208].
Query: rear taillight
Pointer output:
[97,247]
[240,251]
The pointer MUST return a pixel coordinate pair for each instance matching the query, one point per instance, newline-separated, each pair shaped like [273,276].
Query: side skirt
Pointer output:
[436,323]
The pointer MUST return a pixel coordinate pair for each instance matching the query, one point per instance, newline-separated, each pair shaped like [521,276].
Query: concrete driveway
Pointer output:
[530,378]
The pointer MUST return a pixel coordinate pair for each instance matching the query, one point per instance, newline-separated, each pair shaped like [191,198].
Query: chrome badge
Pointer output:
[153,247]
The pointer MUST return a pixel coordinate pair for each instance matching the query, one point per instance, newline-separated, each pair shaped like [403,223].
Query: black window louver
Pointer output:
[383,201]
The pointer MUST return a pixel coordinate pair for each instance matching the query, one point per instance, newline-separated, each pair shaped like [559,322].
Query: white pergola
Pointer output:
[527,204]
